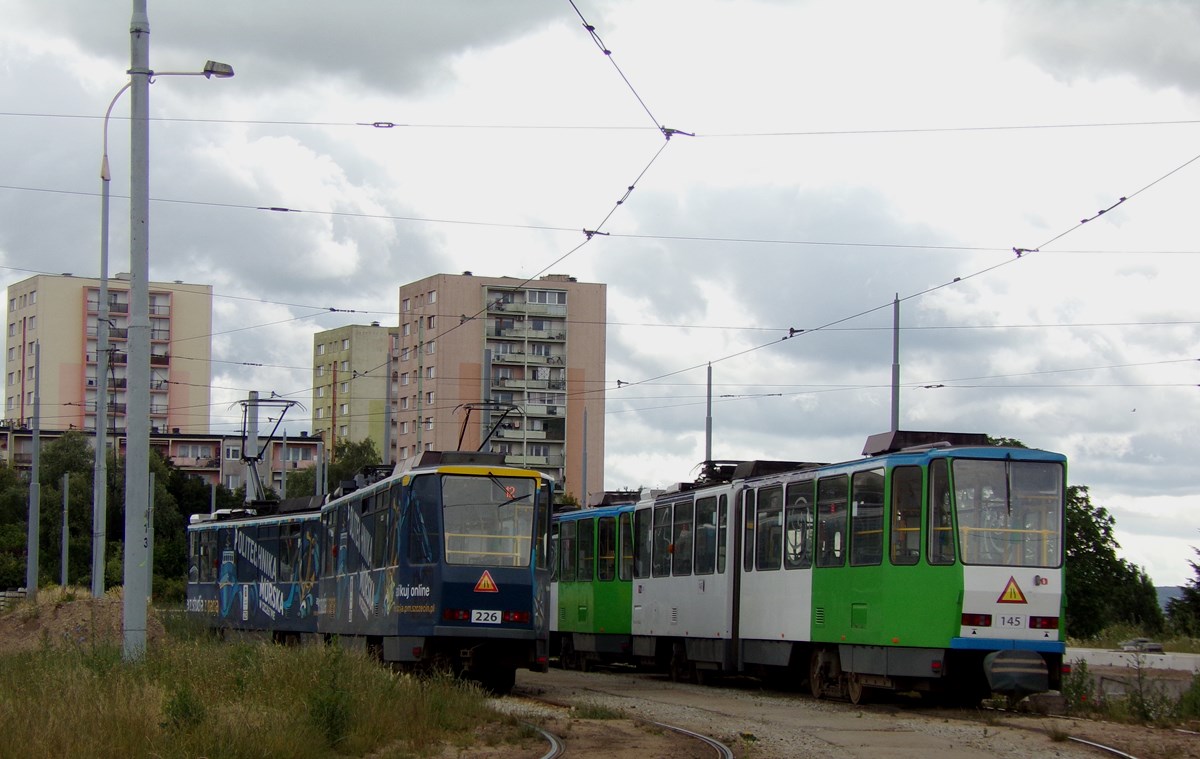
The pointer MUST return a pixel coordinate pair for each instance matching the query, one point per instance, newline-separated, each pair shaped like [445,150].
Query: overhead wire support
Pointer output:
[591,30]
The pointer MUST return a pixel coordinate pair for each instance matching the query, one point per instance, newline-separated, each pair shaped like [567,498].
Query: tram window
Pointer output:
[247,538]
[748,530]
[941,521]
[706,535]
[681,540]
[545,552]
[289,552]
[905,519]
[585,539]
[554,552]
[606,548]
[798,526]
[662,542]
[625,547]
[424,538]
[566,551]
[722,529]
[642,524]
[768,528]
[831,521]
[379,543]
[866,518]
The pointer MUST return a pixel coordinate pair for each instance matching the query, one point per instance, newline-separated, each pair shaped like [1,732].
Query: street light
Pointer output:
[103,322]
[137,435]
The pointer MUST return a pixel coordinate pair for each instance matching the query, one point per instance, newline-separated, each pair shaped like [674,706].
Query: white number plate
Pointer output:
[484,617]
[1010,621]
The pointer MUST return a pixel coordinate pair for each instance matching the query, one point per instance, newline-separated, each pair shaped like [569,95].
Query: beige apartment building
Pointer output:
[522,360]
[350,385]
[58,314]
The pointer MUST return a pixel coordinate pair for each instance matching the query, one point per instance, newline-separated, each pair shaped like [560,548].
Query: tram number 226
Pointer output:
[485,617]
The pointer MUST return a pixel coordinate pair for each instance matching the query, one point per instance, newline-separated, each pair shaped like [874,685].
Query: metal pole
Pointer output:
[250,452]
[708,420]
[283,472]
[137,456]
[150,544]
[100,468]
[66,488]
[35,484]
[896,363]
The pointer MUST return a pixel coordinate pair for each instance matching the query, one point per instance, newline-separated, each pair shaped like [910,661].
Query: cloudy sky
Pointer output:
[830,156]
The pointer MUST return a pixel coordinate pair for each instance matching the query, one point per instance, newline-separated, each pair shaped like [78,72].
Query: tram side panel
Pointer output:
[255,575]
[685,579]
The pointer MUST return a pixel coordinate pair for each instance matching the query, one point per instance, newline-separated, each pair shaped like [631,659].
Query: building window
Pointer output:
[429,422]
[430,322]
[12,329]
[321,370]
[320,413]
[12,304]
[404,378]
[321,392]
[404,402]
[429,397]
[407,330]
[539,450]
[12,354]
[346,344]
[321,349]
[344,408]
[345,387]
[430,348]
[343,430]
[429,373]
[33,322]
[433,297]
[33,297]
[406,305]
[403,452]
[404,354]
[345,366]
[233,452]
[404,426]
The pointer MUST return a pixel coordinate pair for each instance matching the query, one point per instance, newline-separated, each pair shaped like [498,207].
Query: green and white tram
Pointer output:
[933,564]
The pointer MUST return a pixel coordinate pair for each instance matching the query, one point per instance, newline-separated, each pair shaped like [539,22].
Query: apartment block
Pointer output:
[505,364]
[215,459]
[349,396]
[59,315]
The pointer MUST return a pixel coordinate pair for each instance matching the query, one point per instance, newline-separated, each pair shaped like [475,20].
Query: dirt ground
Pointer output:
[68,618]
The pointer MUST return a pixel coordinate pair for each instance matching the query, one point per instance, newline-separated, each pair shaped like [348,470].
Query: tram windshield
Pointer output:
[488,520]
[1010,513]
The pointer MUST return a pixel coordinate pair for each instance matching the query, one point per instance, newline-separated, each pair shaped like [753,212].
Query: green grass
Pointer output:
[1111,637]
[192,696]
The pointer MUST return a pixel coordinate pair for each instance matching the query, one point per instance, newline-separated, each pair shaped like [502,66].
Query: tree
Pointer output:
[1101,588]
[1184,610]
[348,460]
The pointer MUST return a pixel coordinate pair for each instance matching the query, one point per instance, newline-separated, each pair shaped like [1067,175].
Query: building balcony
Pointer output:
[516,459]
[160,359]
[93,307]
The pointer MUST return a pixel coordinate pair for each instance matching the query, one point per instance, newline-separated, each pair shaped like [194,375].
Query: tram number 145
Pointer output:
[1011,621]
[485,617]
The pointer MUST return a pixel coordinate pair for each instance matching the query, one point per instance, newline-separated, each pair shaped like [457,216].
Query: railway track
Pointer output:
[559,746]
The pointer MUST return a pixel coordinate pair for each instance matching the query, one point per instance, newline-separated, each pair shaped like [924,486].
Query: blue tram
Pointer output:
[444,565]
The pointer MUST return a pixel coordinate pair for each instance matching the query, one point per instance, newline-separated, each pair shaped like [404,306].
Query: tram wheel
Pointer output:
[857,692]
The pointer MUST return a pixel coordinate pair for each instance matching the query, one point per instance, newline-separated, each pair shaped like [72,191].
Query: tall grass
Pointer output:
[193,697]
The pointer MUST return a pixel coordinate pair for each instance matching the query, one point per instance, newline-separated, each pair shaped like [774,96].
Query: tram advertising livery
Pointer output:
[934,563]
[444,565]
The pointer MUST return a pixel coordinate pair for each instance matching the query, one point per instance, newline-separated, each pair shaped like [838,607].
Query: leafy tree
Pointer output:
[1101,588]
[1184,610]
[348,460]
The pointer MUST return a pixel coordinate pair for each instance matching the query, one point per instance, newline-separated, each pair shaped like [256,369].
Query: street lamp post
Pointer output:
[137,457]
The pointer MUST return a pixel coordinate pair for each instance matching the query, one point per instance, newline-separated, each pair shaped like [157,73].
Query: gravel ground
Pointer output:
[770,725]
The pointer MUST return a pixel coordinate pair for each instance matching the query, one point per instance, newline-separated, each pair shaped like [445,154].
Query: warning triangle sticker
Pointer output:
[487,585]
[1010,595]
